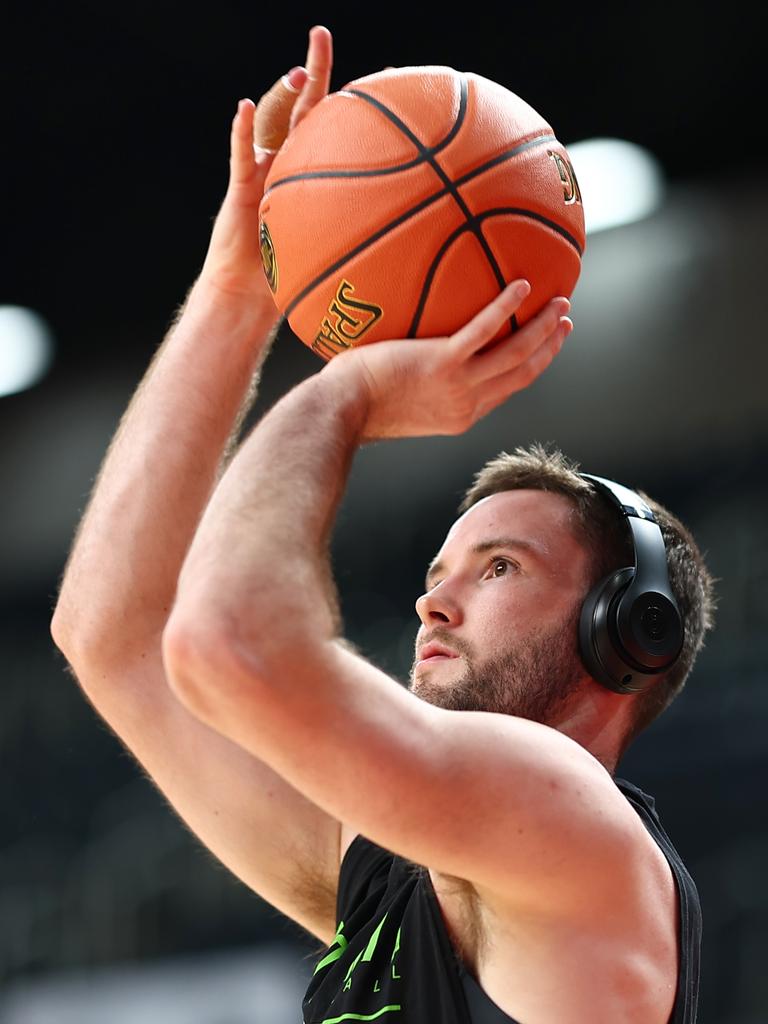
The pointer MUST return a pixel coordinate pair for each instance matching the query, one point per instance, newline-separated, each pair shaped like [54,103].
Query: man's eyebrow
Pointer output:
[537,551]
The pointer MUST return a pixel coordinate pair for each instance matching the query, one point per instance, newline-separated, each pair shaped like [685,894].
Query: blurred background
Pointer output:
[115,131]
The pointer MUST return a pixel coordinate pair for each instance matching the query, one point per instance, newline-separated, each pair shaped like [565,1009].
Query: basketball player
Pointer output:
[461,847]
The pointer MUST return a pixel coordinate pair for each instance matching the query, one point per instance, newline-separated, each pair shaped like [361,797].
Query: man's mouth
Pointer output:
[435,652]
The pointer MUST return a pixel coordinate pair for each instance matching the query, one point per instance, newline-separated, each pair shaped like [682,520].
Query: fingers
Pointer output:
[241,165]
[516,350]
[319,63]
[489,321]
[292,97]
[493,391]
[272,116]
[519,359]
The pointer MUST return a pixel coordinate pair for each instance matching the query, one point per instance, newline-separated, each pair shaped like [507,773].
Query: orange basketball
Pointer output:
[404,202]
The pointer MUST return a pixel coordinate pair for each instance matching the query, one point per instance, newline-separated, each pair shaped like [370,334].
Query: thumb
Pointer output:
[272,117]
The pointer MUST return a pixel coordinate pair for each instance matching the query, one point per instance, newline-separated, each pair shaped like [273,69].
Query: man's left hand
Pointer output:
[428,386]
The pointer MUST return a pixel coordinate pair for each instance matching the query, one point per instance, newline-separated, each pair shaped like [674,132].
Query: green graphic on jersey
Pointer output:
[352,966]
[364,956]
[395,951]
[360,1016]
[330,957]
[371,947]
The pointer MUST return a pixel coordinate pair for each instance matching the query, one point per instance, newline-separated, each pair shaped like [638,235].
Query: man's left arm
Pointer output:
[253,648]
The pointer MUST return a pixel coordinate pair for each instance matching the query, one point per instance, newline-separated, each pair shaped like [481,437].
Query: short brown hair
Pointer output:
[607,538]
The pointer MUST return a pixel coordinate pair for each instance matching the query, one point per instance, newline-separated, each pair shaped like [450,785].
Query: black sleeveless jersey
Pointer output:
[392,960]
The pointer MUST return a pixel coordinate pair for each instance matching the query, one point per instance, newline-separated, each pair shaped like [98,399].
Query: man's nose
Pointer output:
[439,605]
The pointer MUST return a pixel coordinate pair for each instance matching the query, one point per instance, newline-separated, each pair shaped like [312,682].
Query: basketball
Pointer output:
[403,203]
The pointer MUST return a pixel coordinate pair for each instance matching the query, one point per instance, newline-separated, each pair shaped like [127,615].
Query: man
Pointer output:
[461,848]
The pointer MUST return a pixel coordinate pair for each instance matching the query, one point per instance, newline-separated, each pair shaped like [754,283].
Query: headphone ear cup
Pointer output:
[598,637]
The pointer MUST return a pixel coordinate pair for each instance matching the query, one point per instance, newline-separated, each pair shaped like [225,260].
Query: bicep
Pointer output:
[272,837]
[512,806]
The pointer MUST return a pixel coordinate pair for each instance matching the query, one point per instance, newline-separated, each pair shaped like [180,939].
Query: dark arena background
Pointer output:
[115,133]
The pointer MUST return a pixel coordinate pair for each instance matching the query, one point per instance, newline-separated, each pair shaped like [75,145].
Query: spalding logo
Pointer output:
[347,321]
[268,258]
[571,190]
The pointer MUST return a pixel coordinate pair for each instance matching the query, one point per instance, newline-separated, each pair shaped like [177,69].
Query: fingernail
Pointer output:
[520,288]
[293,80]
[567,323]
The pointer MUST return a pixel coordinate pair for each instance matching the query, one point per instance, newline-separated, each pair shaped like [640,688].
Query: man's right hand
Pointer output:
[233,263]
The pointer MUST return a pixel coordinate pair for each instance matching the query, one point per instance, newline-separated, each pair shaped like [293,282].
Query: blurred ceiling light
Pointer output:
[620,182]
[26,348]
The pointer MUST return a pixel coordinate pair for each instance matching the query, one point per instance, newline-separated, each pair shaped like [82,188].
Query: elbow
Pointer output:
[67,626]
[186,656]
[58,631]
[203,670]
[87,660]
[76,648]
[90,639]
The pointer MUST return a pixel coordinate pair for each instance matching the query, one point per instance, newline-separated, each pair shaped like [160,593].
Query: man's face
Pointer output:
[499,619]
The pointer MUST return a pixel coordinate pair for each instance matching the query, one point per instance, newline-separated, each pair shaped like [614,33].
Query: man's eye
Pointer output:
[500,566]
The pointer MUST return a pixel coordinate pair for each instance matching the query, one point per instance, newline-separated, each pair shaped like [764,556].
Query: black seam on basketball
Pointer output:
[433,270]
[407,216]
[361,248]
[430,278]
[516,211]
[533,215]
[426,151]
[423,150]
[540,140]
[477,229]
[345,174]
[429,157]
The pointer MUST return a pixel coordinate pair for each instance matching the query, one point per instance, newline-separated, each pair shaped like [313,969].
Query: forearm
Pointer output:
[258,572]
[159,472]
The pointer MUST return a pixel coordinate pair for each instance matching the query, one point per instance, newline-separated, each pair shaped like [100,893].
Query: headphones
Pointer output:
[631,629]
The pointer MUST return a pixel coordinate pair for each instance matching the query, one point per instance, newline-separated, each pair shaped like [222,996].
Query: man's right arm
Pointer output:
[120,580]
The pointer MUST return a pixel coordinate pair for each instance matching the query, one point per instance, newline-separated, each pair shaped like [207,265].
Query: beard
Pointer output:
[533,679]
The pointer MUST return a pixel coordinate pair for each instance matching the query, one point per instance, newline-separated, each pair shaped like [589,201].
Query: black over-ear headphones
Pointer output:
[631,629]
